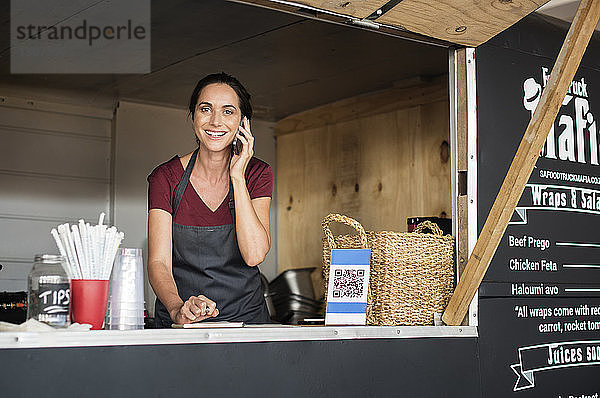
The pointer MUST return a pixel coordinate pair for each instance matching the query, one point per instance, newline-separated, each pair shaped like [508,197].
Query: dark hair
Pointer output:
[223,78]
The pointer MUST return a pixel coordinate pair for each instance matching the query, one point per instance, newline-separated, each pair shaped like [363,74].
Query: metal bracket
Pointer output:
[383,9]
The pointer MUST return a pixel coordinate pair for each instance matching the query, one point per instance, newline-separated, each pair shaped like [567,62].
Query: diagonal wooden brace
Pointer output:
[525,159]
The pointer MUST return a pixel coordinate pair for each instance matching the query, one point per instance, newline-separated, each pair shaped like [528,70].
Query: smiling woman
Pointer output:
[208,219]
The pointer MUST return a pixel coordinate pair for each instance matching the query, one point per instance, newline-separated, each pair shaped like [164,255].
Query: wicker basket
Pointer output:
[412,273]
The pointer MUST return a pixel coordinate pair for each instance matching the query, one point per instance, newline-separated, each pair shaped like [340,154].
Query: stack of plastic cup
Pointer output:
[125,310]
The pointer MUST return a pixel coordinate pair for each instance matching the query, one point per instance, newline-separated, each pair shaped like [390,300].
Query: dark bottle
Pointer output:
[13,307]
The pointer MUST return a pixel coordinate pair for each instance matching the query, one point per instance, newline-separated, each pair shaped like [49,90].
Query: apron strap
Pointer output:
[231,201]
[184,182]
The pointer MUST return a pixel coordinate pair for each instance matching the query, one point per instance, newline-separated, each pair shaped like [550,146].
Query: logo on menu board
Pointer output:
[572,138]
[574,135]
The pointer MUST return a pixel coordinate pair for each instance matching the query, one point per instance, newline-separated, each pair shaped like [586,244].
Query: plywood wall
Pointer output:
[379,158]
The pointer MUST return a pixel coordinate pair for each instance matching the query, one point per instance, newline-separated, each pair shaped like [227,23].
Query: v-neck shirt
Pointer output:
[192,211]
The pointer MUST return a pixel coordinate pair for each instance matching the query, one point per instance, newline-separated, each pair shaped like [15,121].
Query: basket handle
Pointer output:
[342,219]
[435,229]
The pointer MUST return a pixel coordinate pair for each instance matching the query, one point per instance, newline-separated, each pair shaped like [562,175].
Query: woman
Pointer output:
[208,219]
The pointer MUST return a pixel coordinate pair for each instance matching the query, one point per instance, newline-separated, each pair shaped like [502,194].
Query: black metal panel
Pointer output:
[539,310]
[542,36]
[347,368]
[508,334]
[502,120]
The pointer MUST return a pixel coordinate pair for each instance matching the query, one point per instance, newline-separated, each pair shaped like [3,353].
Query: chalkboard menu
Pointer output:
[539,307]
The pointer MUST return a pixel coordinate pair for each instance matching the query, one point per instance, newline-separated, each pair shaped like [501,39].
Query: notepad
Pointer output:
[207,325]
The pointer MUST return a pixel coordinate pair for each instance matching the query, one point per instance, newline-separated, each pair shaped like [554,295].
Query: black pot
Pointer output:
[294,281]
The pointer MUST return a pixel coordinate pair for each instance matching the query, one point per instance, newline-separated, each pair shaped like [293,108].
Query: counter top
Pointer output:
[258,333]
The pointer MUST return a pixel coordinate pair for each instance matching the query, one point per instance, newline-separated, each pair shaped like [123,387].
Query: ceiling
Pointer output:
[289,63]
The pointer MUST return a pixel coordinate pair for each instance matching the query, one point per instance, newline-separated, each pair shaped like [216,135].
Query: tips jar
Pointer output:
[48,291]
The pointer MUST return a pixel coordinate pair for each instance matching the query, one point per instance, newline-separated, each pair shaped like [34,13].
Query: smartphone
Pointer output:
[237,145]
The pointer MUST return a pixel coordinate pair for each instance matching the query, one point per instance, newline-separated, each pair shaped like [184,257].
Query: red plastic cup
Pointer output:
[88,301]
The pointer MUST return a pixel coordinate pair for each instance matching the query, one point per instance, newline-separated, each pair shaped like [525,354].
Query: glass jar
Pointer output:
[48,291]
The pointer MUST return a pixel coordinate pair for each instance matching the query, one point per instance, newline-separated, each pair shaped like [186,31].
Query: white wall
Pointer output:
[54,168]
[147,135]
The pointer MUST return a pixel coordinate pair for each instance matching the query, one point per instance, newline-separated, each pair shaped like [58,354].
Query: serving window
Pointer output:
[364,123]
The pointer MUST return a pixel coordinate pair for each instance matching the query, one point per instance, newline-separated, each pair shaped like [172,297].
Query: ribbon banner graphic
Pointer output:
[549,356]
[556,198]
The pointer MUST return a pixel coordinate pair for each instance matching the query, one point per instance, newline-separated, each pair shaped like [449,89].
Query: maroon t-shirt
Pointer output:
[192,210]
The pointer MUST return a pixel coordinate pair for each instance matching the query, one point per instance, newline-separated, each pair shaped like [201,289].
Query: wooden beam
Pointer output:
[461,109]
[525,159]
[465,22]
[405,94]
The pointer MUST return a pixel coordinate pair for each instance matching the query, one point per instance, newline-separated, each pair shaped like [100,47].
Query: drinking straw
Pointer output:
[62,241]
[114,246]
[105,241]
[94,242]
[71,247]
[90,246]
[83,231]
[108,243]
[61,249]
[100,248]
[79,248]
[89,250]
[63,233]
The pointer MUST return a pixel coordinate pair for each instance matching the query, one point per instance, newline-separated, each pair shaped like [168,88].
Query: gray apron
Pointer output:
[207,261]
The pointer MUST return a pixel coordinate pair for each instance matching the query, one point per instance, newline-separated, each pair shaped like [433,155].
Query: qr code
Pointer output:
[348,283]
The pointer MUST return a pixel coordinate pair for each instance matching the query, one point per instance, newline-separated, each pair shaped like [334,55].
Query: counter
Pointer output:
[247,334]
[251,361]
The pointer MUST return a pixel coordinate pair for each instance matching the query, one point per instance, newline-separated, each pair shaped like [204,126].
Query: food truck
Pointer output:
[381,111]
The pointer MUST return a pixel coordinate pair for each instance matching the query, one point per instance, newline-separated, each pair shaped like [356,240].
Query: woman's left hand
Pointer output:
[237,167]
